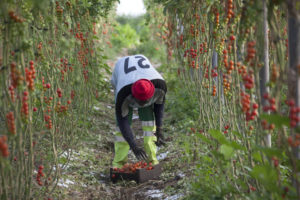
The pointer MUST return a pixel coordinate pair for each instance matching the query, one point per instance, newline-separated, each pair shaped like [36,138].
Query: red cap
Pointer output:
[142,89]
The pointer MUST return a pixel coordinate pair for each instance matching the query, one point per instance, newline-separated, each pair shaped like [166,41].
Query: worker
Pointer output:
[138,85]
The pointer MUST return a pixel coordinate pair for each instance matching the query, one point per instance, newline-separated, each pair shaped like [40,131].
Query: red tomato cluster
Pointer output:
[251,115]
[11,93]
[294,119]
[214,90]
[267,126]
[245,102]
[217,20]
[203,48]
[15,75]
[206,71]
[202,28]
[251,188]
[285,191]
[230,13]
[47,119]
[248,81]
[25,107]
[181,39]
[40,45]
[30,75]
[59,93]
[72,94]
[214,72]
[15,18]
[11,123]
[39,175]
[48,100]
[61,108]
[226,84]
[3,146]
[193,32]
[242,70]
[250,51]
[82,54]
[294,141]
[226,127]
[274,73]
[45,85]
[231,67]
[225,59]
[232,38]
[191,53]
[271,107]
[193,130]
[132,167]
[64,68]
[275,161]
[59,10]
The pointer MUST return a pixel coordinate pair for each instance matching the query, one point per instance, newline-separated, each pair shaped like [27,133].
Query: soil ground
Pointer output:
[86,175]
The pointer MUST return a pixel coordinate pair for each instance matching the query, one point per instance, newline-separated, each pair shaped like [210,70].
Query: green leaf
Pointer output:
[223,140]
[266,175]
[204,139]
[257,156]
[276,119]
[227,151]
[237,133]
[217,155]
[270,152]
[218,136]
[207,158]
[235,145]
[95,37]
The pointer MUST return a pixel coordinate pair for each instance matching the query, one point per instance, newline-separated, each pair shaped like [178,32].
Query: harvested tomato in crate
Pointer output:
[139,172]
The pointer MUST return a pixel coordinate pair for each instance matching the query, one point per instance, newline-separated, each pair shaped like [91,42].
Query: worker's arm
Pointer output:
[124,126]
[158,110]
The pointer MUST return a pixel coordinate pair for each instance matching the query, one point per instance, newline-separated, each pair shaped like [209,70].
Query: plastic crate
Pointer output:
[140,175]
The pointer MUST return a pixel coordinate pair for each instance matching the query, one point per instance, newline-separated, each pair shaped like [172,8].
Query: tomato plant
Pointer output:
[52,66]
[217,49]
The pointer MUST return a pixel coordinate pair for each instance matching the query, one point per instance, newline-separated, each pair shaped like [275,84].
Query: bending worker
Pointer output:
[138,85]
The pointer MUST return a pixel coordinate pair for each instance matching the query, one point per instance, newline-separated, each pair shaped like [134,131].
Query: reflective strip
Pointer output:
[119,139]
[148,133]
[118,129]
[149,128]
[148,123]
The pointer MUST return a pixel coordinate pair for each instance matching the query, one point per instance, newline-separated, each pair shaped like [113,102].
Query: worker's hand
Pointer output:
[139,153]
[160,138]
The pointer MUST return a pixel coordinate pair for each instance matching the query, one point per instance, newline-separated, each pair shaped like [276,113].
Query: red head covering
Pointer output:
[142,89]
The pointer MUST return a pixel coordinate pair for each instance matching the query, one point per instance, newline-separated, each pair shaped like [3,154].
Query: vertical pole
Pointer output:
[294,65]
[264,73]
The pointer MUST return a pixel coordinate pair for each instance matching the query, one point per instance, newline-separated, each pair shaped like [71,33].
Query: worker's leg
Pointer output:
[121,146]
[148,125]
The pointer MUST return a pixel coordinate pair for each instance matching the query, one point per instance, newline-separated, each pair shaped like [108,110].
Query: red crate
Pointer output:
[140,175]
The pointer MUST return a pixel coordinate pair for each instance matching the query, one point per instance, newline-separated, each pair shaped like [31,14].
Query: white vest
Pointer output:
[130,69]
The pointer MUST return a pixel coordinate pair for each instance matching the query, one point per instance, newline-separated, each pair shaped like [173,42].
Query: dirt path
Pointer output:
[86,175]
